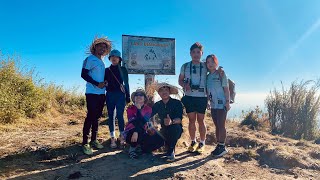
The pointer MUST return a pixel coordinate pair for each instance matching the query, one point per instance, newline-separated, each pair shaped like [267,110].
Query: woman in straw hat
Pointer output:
[139,131]
[170,113]
[93,71]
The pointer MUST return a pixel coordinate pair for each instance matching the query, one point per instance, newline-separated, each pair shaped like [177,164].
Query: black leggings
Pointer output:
[95,103]
[148,143]
[172,134]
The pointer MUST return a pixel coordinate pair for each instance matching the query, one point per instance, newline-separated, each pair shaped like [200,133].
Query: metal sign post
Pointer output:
[149,79]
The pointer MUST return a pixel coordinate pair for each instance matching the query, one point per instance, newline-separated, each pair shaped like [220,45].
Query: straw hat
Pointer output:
[139,91]
[103,40]
[173,89]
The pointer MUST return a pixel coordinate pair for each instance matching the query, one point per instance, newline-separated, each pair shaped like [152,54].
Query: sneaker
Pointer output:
[113,143]
[192,147]
[200,148]
[219,151]
[171,157]
[132,153]
[96,144]
[138,149]
[87,149]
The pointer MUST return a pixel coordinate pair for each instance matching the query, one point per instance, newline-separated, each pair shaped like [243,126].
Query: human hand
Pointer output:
[167,120]
[134,137]
[101,85]
[228,107]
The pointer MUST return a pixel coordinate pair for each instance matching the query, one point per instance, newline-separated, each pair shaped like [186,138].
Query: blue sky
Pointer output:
[259,43]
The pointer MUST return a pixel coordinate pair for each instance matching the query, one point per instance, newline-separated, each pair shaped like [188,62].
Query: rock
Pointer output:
[185,144]
[265,166]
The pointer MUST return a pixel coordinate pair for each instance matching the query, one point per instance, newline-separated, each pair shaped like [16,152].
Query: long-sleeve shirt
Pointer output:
[137,119]
[93,72]
[113,84]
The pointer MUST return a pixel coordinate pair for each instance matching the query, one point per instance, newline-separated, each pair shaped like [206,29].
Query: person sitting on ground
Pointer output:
[139,131]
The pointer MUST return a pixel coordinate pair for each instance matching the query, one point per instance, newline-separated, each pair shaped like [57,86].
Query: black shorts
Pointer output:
[195,104]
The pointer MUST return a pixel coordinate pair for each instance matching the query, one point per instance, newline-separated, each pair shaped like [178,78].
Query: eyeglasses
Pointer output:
[139,94]
[194,70]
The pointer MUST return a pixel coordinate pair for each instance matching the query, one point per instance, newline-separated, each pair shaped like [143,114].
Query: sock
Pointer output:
[221,144]
[113,134]
[203,142]
[194,140]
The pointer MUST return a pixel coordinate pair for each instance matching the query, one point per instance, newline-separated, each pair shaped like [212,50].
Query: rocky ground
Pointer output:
[50,149]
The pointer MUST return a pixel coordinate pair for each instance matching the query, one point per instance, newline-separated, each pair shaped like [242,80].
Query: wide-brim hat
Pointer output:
[139,91]
[173,89]
[103,40]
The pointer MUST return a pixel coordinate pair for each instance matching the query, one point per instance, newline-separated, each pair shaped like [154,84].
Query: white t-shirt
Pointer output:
[195,77]
[215,90]
[96,69]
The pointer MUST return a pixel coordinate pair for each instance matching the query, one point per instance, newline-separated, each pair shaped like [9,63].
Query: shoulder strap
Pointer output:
[114,76]
[219,73]
[121,73]
[185,67]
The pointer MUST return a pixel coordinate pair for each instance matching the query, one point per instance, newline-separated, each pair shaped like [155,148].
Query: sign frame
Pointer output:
[149,45]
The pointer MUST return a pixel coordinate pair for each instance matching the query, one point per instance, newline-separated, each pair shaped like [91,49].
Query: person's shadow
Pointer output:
[70,162]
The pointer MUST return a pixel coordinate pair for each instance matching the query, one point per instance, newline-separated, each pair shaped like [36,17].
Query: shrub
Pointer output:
[294,112]
[254,119]
[22,95]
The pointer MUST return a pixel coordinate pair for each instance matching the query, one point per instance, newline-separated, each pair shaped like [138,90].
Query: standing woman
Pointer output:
[219,99]
[93,72]
[117,94]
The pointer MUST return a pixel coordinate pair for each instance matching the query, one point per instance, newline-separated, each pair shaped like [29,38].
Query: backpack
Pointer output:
[232,90]
[232,86]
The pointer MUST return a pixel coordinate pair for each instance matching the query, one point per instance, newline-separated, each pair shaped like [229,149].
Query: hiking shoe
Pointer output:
[113,143]
[171,157]
[192,148]
[87,149]
[132,153]
[138,149]
[200,148]
[219,151]
[96,144]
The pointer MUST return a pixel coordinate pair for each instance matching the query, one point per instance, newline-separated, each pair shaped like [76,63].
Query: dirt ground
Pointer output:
[51,150]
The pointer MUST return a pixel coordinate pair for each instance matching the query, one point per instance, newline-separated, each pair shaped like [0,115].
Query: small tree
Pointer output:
[254,119]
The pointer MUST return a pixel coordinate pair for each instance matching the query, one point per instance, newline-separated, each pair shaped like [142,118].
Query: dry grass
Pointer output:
[295,112]
[24,95]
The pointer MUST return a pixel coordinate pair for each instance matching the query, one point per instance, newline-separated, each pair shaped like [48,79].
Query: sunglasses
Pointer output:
[139,94]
